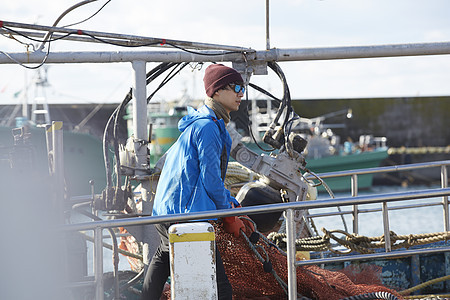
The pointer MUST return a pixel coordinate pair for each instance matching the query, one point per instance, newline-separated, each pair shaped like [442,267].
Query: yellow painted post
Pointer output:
[193,261]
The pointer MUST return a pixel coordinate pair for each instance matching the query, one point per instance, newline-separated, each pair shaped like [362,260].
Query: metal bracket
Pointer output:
[249,67]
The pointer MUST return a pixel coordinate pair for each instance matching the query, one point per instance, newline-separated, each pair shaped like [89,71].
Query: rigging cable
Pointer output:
[168,78]
[18,62]
[88,18]
[50,34]
[49,38]
[161,42]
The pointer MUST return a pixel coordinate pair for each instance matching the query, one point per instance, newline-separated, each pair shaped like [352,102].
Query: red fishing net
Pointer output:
[249,280]
[130,244]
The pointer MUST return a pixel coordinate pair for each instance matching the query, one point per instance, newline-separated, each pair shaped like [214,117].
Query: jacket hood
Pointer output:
[193,115]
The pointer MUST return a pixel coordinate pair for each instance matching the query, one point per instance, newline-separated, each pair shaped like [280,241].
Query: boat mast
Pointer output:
[39,107]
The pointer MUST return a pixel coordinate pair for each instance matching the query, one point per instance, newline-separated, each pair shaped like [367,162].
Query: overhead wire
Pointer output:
[172,74]
[35,39]
[161,68]
[24,65]
[161,42]
[10,36]
[61,16]
[202,53]
[90,17]
[47,37]
[259,89]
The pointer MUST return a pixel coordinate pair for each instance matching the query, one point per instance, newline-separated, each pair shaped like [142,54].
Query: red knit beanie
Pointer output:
[218,76]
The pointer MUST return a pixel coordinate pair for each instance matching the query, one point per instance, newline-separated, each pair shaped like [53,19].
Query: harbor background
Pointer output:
[404,121]
[413,122]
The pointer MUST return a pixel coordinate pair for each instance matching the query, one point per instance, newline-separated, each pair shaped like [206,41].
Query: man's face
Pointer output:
[229,98]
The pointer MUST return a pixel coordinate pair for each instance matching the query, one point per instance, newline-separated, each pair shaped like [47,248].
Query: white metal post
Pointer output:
[292,273]
[140,111]
[444,184]
[354,183]
[192,261]
[387,234]
[98,262]
[150,237]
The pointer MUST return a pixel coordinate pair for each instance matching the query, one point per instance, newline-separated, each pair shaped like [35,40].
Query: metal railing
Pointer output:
[288,209]
[353,174]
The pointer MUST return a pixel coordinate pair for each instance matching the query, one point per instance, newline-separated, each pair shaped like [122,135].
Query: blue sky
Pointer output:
[293,24]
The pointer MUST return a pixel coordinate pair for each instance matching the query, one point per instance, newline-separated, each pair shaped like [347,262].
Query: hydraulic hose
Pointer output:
[114,120]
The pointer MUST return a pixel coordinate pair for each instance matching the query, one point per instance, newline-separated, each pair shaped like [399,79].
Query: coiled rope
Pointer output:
[316,243]
[358,243]
[418,150]
[238,175]
[365,245]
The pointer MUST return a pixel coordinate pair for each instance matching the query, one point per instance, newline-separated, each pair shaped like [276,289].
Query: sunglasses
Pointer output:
[237,87]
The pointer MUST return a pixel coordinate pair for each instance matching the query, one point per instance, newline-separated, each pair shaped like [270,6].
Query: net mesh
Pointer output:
[130,244]
[249,280]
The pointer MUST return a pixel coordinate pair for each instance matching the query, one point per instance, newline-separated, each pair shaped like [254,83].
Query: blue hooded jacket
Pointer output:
[191,177]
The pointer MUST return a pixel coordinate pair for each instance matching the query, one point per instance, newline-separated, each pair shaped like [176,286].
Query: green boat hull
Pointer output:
[164,138]
[369,159]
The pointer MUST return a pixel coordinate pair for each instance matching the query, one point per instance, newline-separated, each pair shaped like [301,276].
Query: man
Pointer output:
[194,170]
